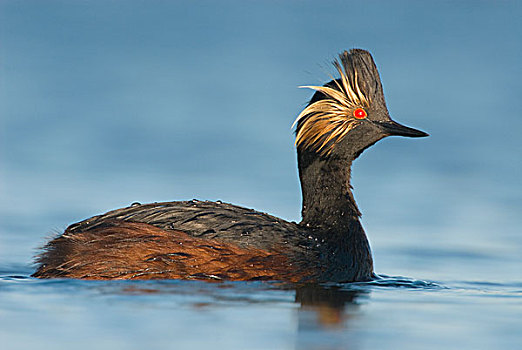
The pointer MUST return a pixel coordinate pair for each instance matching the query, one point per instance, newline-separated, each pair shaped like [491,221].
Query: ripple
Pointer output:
[402,282]
[254,291]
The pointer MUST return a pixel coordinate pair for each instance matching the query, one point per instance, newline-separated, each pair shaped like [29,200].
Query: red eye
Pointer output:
[360,113]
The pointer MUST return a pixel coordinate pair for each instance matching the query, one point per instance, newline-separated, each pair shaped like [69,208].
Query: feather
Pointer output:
[325,122]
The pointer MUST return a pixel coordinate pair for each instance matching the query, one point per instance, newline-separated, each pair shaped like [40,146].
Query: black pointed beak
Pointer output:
[392,128]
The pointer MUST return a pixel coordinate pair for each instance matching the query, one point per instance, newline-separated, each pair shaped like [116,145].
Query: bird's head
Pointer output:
[348,114]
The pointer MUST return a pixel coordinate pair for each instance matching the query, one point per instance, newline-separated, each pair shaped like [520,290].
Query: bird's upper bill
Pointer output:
[341,105]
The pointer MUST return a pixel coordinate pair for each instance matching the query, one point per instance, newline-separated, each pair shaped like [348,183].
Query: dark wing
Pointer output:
[225,222]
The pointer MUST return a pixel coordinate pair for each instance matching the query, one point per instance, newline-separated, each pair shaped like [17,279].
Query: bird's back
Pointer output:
[226,222]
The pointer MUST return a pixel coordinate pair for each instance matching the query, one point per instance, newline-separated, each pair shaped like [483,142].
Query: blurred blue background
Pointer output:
[103,103]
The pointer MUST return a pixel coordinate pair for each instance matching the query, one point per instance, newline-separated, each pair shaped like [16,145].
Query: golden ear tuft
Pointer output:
[325,122]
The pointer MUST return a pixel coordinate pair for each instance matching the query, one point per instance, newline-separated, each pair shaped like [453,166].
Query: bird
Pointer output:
[218,241]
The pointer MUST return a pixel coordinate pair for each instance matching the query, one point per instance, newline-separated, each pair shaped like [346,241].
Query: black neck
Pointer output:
[329,210]
[328,201]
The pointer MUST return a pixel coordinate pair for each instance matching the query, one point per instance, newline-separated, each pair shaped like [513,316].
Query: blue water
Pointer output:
[106,103]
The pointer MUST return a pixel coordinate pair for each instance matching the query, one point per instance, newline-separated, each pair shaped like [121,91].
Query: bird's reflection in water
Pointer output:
[326,306]
[325,319]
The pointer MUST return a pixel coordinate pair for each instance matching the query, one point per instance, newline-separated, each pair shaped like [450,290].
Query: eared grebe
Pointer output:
[215,240]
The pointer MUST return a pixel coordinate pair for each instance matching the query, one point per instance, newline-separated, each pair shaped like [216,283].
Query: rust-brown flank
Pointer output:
[129,250]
